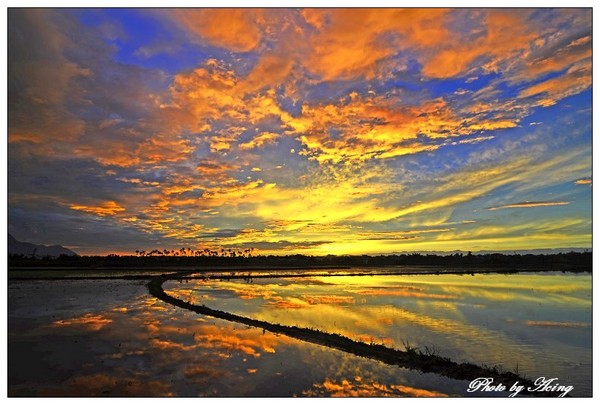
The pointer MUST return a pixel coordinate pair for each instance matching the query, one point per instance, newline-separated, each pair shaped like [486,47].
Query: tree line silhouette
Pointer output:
[246,258]
[188,252]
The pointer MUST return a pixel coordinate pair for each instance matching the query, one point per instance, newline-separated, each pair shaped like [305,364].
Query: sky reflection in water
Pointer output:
[65,339]
[110,338]
[538,324]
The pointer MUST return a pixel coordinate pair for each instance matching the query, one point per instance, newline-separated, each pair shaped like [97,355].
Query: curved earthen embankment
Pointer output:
[411,359]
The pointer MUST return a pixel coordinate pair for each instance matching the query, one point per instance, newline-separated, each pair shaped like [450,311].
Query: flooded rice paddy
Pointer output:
[110,337]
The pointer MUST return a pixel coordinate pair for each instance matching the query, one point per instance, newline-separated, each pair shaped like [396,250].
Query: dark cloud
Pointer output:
[82,233]
[221,234]
[56,182]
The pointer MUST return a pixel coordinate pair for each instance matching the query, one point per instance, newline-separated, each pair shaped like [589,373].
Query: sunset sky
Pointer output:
[312,131]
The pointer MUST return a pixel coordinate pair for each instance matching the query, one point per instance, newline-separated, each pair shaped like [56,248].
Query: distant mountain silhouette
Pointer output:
[16,247]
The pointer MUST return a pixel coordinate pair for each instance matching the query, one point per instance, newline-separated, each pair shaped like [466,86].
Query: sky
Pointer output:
[300,131]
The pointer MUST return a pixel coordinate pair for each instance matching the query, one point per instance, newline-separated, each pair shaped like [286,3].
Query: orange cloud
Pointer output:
[87,321]
[135,180]
[214,171]
[370,127]
[194,97]
[506,34]
[352,42]
[577,78]
[159,149]
[235,29]
[109,152]
[203,371]
[213,94]
[360,388]
[341,50]
[270,70]
[108,208]
[129,147]
[180,184]
[376,128]
[333,47]
[250,342]
[561,57]
[169,345]
[46,126]
[236,193]
[584,181]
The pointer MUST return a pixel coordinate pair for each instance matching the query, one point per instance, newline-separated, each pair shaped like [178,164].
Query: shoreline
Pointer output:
[235,273]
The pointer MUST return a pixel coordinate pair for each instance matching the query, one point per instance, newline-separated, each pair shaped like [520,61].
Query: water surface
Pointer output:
[110,338]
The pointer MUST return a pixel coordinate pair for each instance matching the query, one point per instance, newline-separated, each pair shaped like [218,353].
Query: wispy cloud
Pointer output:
[529,204]
[554,324]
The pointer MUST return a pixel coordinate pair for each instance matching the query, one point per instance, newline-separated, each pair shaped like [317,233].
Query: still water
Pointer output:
[110,338]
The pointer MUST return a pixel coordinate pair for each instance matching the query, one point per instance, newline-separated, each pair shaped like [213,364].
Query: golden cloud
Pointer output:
[393,235]
[406,293]
[265,138]
[287,303]
[328,299]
